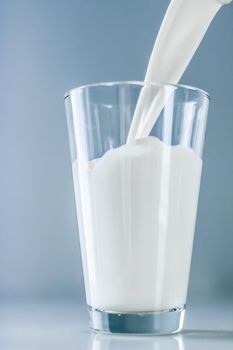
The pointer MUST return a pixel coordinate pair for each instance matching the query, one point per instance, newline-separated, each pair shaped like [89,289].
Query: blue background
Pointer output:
[48,47]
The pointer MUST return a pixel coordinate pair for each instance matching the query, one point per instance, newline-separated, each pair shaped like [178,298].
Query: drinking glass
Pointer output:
[136,202]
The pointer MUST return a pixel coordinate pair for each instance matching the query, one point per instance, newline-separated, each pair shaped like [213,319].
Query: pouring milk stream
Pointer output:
[136,240]
[184,25]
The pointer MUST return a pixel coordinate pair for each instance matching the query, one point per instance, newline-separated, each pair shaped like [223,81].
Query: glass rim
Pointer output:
[80,88]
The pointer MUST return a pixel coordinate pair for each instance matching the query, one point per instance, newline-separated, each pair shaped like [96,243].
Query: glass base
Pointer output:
[159,322]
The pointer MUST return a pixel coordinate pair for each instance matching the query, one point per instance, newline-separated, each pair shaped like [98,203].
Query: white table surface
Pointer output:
[56,325]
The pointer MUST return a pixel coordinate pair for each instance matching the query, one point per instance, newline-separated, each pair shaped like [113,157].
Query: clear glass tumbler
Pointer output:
[136,202]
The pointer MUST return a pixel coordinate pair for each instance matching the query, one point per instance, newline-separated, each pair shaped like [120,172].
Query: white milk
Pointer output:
[183,28]
[137,209]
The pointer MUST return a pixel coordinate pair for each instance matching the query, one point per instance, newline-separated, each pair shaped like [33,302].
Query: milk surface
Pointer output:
[136,210]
